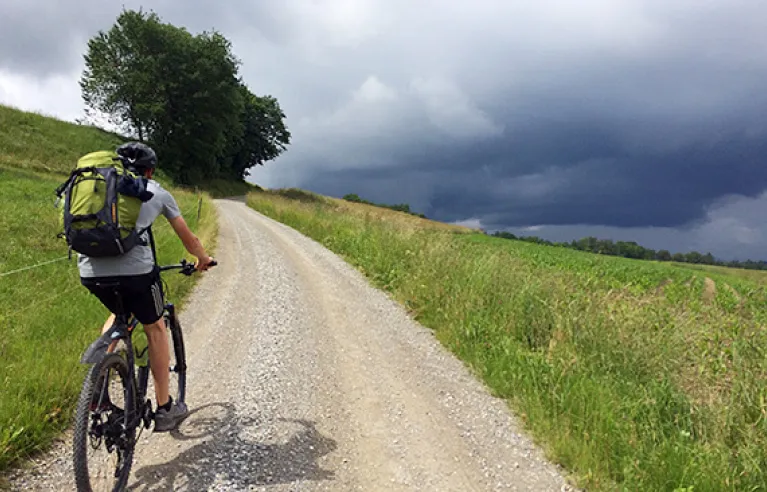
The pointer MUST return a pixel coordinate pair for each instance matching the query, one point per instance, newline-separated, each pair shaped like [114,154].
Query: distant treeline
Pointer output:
[400,207]
[630,249]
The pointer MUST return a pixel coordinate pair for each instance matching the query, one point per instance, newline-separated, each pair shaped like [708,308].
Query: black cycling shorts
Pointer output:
[141,294]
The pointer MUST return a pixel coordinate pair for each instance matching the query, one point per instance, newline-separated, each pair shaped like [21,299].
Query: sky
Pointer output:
[623,119]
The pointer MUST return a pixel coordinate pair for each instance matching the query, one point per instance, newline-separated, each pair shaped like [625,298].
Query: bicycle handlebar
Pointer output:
[186,267]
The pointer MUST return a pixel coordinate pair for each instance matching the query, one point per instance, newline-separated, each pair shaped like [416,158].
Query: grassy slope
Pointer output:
[635,375]
[46,317]
[35,142]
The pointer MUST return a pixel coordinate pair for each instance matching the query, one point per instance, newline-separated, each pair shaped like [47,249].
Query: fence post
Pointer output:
[199,208]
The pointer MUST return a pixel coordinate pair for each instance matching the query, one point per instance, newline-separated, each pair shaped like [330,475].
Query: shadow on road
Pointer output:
[227,456]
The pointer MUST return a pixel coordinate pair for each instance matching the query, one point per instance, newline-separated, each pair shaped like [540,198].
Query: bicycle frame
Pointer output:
[122,329]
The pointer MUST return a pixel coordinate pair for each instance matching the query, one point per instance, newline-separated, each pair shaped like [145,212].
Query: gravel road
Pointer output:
[303,377]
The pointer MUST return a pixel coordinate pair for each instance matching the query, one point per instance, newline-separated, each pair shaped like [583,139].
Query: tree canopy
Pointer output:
[182,94]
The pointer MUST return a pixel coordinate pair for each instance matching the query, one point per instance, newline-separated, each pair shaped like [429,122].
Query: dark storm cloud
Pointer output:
[561,175]
[648,143]
[635,114]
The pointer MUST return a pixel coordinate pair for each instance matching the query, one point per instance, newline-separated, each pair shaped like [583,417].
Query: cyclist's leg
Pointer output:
[169,413]
[108,323]
[107,297]
[146,303]
[159,358]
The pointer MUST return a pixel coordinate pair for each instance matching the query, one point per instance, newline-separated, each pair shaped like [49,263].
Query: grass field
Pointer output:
[634,375]
[46,317]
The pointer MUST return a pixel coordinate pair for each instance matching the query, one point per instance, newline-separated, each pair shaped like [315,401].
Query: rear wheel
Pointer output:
[103,437]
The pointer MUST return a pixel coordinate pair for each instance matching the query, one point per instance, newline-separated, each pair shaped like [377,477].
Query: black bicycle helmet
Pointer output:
[138,155]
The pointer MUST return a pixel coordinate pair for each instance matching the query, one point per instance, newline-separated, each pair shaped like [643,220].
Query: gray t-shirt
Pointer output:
[139,259]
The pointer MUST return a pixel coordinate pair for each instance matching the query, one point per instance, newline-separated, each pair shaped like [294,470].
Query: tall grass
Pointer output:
[47,318]
[634,375]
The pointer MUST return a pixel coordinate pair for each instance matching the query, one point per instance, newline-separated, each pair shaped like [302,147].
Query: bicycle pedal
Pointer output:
[148,416]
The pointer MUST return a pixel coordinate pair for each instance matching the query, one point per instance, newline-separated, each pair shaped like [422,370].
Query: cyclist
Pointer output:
[139,279]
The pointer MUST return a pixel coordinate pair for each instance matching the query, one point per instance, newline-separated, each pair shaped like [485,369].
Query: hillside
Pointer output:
[35,142]
[635,375]
[46,317]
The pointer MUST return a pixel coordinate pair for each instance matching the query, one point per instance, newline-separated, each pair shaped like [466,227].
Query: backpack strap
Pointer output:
[72,175]
[63,186]
[151,242]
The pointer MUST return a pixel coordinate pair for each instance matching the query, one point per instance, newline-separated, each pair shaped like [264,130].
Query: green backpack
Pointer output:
[101,203]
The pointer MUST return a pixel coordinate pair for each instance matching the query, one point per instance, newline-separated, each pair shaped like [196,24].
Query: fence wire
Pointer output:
[32,267]
[165,242]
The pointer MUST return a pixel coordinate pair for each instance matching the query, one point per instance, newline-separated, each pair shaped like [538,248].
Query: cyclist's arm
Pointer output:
[190,241]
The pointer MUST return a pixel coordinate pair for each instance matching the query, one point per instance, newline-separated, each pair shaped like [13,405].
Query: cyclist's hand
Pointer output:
[203,263]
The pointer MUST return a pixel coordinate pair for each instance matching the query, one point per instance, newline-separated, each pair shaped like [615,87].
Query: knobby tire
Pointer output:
[82,441]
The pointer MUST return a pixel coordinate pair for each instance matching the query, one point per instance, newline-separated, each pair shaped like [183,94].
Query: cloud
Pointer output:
[450,110]
[472,223]
[636,117]
[57,91]
[373,91]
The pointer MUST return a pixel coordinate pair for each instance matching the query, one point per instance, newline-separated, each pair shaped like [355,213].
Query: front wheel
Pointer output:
[104,437]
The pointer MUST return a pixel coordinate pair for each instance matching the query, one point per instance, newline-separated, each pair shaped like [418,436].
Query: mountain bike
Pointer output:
[113,403]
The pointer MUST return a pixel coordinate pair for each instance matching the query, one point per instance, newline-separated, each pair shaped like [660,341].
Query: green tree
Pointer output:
[588,244]
[264,135]
[400,207]
[353,197]
[181,93]
[663,255]
[202,107]
[117,78]
[693,257]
